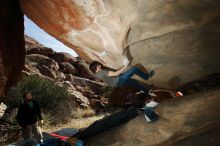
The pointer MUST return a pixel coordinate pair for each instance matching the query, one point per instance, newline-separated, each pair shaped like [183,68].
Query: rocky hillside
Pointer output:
[85,98]
[65,70]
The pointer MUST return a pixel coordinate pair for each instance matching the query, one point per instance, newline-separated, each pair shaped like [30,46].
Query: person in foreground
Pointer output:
[27,117]
[120,77]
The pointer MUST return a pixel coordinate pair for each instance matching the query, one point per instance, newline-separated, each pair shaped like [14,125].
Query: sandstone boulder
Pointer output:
[49,63]
[88,88]
[31,42]
[178,119]
[30,69]
[69,85]
[97,105]
[83,69]
[78,97]
[205,138]
[68,68]
[69,77]
[40,50]
[63,57]
[61,76]
[93,85]
[35,58]
[44,70]
[34,47]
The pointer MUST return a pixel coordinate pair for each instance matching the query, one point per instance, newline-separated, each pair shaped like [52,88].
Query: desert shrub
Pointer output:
[106,91]
[53,99]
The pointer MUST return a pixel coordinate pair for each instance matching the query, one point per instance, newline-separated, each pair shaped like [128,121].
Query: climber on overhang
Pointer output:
[121,77]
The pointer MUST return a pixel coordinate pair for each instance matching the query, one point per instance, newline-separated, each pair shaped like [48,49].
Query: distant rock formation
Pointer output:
[65,69]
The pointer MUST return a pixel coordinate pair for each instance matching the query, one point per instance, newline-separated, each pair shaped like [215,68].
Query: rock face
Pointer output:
[64,70]
[67,68]
[210,137]
[178,39]
[84,69]
[11,44]
[34,47]
[180,118]
[63,57]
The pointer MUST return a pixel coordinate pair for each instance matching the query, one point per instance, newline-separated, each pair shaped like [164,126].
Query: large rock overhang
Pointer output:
[178,39]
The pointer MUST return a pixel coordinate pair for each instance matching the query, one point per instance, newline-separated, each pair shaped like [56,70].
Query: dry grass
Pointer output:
[80,113]
[82,119]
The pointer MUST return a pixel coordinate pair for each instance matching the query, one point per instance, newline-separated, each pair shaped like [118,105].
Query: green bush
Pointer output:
[52,98]
[106,91]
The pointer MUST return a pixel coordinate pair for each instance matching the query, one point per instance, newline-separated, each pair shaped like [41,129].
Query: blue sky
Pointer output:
[32,30]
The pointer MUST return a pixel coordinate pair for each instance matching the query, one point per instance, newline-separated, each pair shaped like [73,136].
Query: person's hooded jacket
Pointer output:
[28,115]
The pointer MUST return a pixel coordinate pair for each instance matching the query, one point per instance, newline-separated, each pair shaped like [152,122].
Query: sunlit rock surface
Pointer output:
[178,39]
